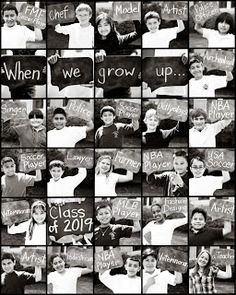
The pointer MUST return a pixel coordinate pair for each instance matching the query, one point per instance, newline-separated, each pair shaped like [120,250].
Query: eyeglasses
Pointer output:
[197,167]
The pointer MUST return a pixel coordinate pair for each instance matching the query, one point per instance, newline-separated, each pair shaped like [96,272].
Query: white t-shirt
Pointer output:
[66,137]
[215,39]
[161,234]
[162,279]
[159,39]
[65,187]
[66,282]
[206,137]
[205,185]
[16,37]
[105,186]
[197,87]
[121,284]
[79,37]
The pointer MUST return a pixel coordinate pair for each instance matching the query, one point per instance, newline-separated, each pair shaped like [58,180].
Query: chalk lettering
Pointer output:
[18,74]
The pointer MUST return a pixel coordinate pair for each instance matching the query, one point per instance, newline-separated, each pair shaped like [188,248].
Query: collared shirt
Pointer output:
[203,283]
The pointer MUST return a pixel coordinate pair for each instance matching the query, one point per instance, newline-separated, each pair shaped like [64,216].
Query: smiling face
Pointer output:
[36,122]
[8,265]
[83,17]
[198,221]
[199,122]
[153,24]
[180,165]
[108,118]
[149,264]
[59,121]
[203,259]
[10,17]
[9,168]
[56,173]
[132,267]
[196,69]
[39,215]
[223,28]
[105,165]
[157,214]
[152,122]
[197,168]
[104,216]
[58,264]
[104,28]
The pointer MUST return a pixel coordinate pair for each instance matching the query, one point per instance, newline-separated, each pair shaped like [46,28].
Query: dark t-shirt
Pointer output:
[206,236]
[15,282]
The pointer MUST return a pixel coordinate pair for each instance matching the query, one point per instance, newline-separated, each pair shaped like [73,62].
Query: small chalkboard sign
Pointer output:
[219,159]
[220,109]
[204,10]
[70,219]
[60,13]
[79,108]
[223,256]
[33,257]
[11,110]
[128,159]
[20,71]
[79,158]
[217,59]
[157,160]
[174,109]
[173,260]
[71,71]
[32,161]
[174,10]
[126,11]
[77,256]
[175,205]
[30,15]
[221,209]
[126,208]
[164,71]
[108,259]
[118,72]
[128,109]
[15,212]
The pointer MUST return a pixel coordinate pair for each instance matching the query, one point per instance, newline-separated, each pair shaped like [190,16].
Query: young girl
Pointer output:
[202,276]
[63,280]
[106,180]
[222,36]
[35,227]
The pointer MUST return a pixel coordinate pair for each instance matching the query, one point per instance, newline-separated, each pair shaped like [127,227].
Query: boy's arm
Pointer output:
[198,28]
[181,26]
[90,126]
[226,176]
[97,137]
[150,281]
[86,270]
[126,178]
[135,124]
[38,34]
[62,29]
[38,273]
[136,227]
[220,125]
[229,76]
[107,279]
[38,175]
[227,227]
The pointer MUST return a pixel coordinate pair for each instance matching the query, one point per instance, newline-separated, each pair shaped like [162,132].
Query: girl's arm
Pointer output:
[178,277]
[227,274]
[198,28]
[227,227]
[38,175]
[226,176]
[38,273]
[126,178]
[229,76]
[136,226]
[38,34]
[90,126]
[181,26]
[17,229]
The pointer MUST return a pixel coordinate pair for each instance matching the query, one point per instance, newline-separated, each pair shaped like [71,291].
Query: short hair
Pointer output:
[149,252]
[225,17]
[197,113]
[107,109]
[36,113]
[156,204]
[195,59]
[9,7]
[201,211]
[150,113]
[198,158]
[102,206]
[60,111]
[152,14]
[133,258]
[8,256]
[57,163]
[84,6]
[6,160]
[181,154]
[62,256]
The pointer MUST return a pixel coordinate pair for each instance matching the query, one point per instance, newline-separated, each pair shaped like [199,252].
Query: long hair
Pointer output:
[228,18]
[97,169]
[207,267]
[37,204]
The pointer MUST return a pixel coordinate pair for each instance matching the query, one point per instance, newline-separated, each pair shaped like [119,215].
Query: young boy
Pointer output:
[174,183]
[200,234]
[107,234]
[201,185]
[159,38]
[66,136]
[14,282]
[31,134]
[155,280]
[111,134]
[129,283]
[205,85]
[15,184]
[203,134]
[13,35]
[81,35]
[161,229]
[63,187]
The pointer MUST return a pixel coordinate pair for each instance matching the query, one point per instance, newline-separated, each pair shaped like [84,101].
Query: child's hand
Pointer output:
[44,70]
[53,59]
[144,85]
[151,281]
[184,58]
[3,277]
[100,56]
[176,180]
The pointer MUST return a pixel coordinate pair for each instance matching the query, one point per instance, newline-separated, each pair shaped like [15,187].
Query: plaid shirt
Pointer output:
[203,283]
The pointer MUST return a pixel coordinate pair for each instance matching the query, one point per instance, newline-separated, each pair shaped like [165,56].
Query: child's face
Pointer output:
[105,166]
[199,122]
[149,264]
[156,212]
[9,168]
[83,17]
[198,221]
[197,168]
[56,173]
[108,118]
[10,18]
[180,165]
[153,24]
[223,27]
[196,69]
[152,122]
[36,122]
[104,28]
[132,267]
[203,259]
[59,121]
[39,215]
[58,264]
[8,265]
[104,215]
